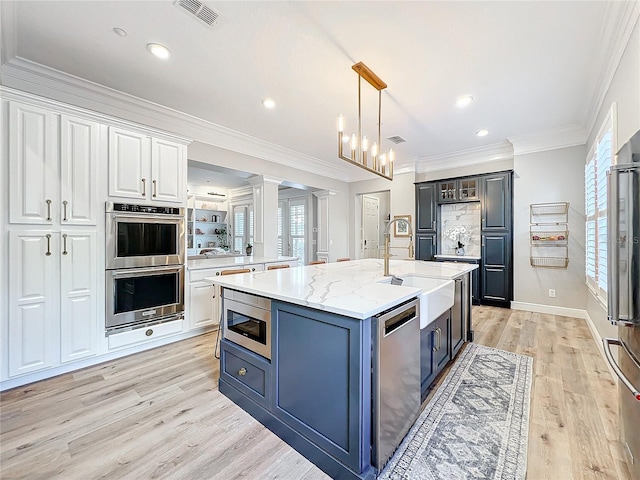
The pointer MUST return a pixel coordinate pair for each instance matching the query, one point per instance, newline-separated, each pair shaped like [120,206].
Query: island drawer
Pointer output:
[246,371]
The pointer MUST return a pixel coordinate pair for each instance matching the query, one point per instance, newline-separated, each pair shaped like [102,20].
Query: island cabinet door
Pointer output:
[321,367]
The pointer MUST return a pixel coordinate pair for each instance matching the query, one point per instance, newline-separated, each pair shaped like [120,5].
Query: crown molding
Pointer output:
[569,136]
[8,31]
[240,192]
[619,26]
[463,158]
[41,80]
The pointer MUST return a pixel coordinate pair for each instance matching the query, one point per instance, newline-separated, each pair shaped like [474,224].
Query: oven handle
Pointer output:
[607,342]
[145,272]
[132,217]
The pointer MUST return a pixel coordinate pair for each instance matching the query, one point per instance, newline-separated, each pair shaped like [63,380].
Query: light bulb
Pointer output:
[365,143]
[354,141]
[374,149]
[159,51]
[383,159]
[341,123]
[392,155]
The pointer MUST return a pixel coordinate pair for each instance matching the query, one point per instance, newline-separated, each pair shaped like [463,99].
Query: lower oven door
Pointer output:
[248,326]
[137,296]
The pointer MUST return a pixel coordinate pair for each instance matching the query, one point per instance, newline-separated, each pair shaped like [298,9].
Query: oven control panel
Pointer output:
[146,209]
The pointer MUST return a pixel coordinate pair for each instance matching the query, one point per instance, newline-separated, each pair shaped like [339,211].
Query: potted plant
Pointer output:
[249,249]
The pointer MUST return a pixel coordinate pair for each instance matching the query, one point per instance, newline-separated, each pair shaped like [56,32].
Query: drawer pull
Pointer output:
[149,332]
[217,273]
[48,245]
[144,187]
[242,372]
[155,189]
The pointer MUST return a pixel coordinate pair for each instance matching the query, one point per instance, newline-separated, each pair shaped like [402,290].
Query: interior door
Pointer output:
[292,228]
[370,226]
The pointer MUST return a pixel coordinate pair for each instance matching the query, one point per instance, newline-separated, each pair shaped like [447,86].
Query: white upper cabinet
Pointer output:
[33,162]
[167,171]
[78,154]
[129,157]
[53,167]
[145,168]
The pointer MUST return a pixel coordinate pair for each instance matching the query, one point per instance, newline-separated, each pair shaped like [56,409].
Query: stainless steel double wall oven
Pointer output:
[145,248]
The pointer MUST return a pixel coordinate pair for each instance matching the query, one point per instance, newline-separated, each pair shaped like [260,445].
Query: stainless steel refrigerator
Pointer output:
[624,292]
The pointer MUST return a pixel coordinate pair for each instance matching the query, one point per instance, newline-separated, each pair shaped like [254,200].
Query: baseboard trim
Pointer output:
[550,309]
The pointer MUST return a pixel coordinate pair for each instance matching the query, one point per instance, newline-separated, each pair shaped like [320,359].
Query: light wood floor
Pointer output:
[158,414]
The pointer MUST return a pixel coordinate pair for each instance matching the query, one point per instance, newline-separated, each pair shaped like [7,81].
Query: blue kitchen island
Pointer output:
[313,379]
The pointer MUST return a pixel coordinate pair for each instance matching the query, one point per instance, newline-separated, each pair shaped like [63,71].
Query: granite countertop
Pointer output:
[213,262]
[353,289]
[457,257]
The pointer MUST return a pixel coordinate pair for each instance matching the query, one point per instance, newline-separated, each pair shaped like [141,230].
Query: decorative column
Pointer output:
[323,240]
[265,215]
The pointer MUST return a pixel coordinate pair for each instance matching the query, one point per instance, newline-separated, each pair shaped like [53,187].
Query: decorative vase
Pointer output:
[249,250]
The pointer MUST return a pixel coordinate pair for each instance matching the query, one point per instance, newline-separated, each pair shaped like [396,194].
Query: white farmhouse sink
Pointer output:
[436,297]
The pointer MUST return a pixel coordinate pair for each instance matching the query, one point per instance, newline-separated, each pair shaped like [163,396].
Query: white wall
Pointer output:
[477,169]
[625,90]
[402,202]
[338,203]
[543,177]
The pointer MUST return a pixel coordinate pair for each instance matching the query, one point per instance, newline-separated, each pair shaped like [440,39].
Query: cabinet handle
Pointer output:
[155,189]
[242,372]
[48,210]
[64,242]
[64,205]
[217,273]
[144,187]
[48,245]
[434,225]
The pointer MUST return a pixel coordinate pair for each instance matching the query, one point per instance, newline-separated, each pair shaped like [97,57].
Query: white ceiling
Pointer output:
[531,66]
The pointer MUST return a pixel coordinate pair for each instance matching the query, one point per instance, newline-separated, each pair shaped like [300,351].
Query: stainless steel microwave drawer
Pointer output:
[249,373]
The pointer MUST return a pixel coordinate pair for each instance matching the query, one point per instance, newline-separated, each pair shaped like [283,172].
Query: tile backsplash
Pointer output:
[460,222]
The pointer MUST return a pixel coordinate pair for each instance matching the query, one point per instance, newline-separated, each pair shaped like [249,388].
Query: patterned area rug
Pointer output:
[476,424]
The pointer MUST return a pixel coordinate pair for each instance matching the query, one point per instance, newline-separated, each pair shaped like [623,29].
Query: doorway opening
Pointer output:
[374,212]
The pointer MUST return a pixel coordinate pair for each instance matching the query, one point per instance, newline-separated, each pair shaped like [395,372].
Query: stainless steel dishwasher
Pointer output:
[396,378]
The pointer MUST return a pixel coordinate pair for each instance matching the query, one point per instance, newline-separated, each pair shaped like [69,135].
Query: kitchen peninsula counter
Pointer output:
[356,289]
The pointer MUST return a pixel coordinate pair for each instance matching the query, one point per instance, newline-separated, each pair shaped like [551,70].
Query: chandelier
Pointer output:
[381,162]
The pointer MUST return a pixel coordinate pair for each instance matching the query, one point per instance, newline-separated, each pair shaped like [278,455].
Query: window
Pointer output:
[599,161]
[242,227]
[292,228]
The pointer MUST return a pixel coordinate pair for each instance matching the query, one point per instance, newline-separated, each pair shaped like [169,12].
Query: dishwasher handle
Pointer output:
[394,319]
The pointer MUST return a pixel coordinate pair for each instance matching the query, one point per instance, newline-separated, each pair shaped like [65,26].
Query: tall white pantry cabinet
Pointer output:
[53,210]
[60,164]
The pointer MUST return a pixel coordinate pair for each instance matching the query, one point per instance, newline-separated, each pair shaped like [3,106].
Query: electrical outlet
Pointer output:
[552,292]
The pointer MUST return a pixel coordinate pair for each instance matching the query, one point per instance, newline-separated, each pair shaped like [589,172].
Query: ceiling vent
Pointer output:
[396,139]
[199,10]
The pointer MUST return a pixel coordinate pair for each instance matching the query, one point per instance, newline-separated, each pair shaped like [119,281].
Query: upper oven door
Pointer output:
[134,240]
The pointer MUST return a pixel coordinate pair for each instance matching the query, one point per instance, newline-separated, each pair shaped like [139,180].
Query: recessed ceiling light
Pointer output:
[119,31]
[268,103]
[464,101]
[482,133]
[159,51]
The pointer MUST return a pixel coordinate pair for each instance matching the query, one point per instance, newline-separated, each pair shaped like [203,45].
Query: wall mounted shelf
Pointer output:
[549,235]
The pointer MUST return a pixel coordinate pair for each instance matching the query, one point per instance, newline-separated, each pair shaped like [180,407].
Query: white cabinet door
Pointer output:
[202,302]
[168,171]
[33,165]
[78,289]
[33,300]
[129,172]
[78,163]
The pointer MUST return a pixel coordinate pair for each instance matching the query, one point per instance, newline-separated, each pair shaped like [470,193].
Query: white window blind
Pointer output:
[297,217]
[242,227]
[280,231]
[598,164]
